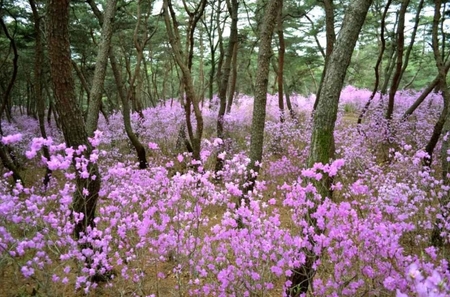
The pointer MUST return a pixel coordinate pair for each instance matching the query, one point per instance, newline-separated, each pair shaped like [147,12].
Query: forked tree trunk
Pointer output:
[400,43]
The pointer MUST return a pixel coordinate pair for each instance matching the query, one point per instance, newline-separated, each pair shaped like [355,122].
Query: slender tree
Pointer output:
[261,84]
[183,59]
[100,67]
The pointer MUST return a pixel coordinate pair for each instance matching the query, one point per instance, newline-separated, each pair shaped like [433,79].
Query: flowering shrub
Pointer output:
[174,227]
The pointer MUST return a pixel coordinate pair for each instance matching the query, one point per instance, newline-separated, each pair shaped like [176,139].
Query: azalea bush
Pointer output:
[181,228]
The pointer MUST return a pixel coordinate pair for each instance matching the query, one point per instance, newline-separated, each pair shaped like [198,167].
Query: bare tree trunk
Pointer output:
[378,63]
[232,86]
[225,73]
[331,39]
[322,139]
[261,84]
[6,106]
[38,73]
[100,68]
[425,93]
[436,238]
[140,149]
[400,42]
[70,115]
[281,52]
[184,61]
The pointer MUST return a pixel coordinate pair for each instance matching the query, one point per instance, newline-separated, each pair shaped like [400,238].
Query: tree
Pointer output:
[72,123]
[322,139]
[124,97]
[38,74]
[183,58]
[441,127]
[100,67]
[261,84]
[225,71]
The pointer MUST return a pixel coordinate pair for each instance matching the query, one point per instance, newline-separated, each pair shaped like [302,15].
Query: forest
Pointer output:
[224,148]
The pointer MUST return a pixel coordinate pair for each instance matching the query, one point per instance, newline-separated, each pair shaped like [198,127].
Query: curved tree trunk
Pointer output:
[100,68]
[7,95]
[378,63]
[399,64]
[184,61]
[436,238]
[322,139]
[140,149]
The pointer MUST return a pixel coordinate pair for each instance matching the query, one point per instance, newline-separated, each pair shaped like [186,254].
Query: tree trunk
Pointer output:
[184,61]
[331,39]
[70,115]
[400,42]
[261,84]
[225,74]
[322,139]
[100,68]
[436,238]
[281,52]
[377,64]
[39,96]
[140,149]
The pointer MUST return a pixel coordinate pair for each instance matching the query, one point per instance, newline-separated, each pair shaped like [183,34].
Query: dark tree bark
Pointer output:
[378,63]
[436,238]
[184,62]
[232,86]
[6,105]
[140,149]
[261,84]
[70,115]
[38,92]
[425,93]
[225,73]
[400,43]
[5,157]
[281,51]
[322,139]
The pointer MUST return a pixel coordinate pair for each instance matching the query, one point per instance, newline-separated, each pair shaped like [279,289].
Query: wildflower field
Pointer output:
[171,229]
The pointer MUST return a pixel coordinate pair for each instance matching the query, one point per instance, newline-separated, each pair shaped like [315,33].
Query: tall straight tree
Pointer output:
[225,72]
[38,90]
[322,139]
[70,115]
[261,83]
